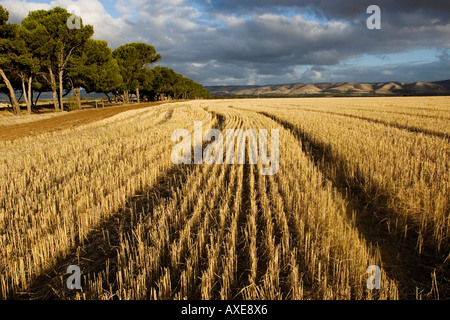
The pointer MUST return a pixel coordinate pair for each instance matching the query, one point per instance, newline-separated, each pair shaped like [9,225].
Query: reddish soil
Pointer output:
[70,120]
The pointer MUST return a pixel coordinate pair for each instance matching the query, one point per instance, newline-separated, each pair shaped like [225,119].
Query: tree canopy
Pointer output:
[133,60]
[62,43]
[8,33]
[94,69]
[163,82]
[44,54]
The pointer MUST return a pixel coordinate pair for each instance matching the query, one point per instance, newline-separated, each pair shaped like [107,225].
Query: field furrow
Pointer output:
[78,205]
[355,185]
[403,123]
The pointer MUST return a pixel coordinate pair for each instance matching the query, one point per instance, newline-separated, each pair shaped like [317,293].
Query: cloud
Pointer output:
[92,12]
[262,41]
[444,56]
[332,9]
[312,76]
[19,9]
[403,72]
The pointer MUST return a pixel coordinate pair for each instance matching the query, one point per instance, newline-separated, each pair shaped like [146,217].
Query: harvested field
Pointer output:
[359,182]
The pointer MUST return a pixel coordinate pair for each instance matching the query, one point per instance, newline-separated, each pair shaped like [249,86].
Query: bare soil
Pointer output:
[66,121]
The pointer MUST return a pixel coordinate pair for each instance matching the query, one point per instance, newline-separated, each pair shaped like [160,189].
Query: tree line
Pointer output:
[42,54]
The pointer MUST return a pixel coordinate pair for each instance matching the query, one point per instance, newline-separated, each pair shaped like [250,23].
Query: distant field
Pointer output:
[12,127]
[7,119]
[361,182]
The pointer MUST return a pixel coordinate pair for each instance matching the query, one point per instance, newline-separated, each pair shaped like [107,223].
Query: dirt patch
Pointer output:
[66,121]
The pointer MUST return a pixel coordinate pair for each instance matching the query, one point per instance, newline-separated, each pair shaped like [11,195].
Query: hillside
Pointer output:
[335,88]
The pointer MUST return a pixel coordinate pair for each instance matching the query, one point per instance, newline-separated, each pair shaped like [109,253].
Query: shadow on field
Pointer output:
[414,273]
[98,252]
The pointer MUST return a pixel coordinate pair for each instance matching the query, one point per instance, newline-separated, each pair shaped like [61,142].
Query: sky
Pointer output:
[260,42]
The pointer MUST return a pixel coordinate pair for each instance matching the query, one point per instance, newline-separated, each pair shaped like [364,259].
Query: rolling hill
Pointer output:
[334,89]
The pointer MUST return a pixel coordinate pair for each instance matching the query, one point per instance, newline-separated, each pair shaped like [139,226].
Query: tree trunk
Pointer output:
[126,97]
[53,85]
[12,95]
[32,100]
[55,102]
[78,97]
[109,98]
[30,90]
[137,96]
[60,92]
[37,99]
[26,91]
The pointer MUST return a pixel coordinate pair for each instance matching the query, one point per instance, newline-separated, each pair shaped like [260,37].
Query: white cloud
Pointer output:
[114,30]
[312,75]
[18,9]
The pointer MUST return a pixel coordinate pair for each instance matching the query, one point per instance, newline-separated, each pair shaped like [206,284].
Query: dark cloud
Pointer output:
[266,41]
[331,9]
[271,43]
[263,38]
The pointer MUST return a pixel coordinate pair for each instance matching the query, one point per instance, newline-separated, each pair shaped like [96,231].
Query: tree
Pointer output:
[46,53]
[134,59]
[61,43]
[163,82]
[94,69]
[39,42]
[26,62]
[7,34]
[39,85]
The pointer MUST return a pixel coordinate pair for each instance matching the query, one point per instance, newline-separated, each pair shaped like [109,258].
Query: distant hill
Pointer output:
[334,89]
